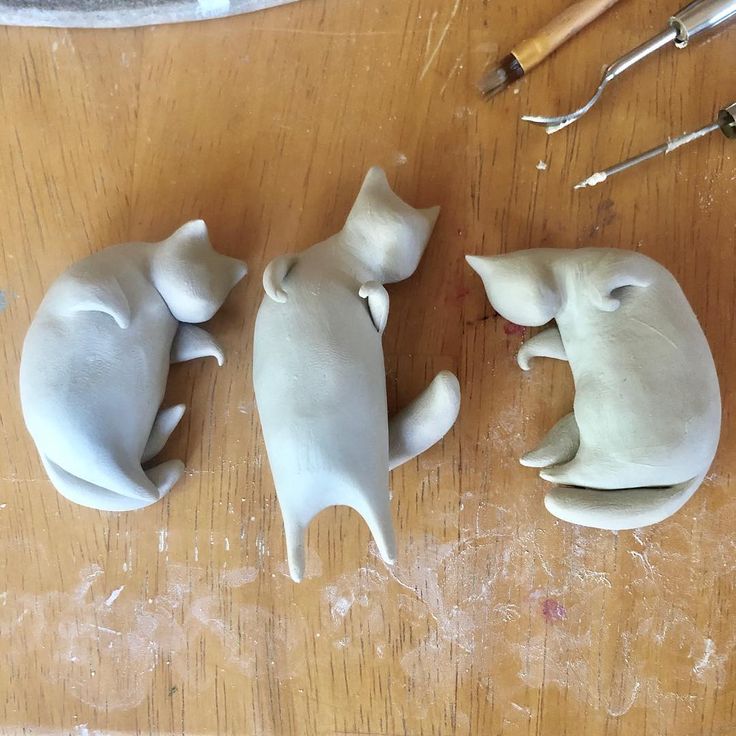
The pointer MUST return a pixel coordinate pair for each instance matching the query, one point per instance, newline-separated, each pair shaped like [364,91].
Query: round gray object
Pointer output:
[121,13]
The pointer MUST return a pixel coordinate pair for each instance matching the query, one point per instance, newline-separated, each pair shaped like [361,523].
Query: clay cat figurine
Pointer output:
[647,409]
[96,359]
[319,372]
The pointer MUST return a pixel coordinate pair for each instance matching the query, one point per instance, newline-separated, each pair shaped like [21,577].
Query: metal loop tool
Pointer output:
[693,20]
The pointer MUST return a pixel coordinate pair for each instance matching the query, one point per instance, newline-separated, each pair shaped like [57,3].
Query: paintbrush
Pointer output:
[532,51]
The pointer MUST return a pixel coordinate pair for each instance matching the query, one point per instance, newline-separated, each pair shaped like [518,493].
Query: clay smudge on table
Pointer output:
[114,595]
[312,567]
[239,576]
[462,591]
[109,645]
[461,601]
[506,431]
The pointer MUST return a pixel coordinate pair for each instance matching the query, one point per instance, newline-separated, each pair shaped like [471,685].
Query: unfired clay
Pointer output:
[319,374]
[647,408]
[96,358]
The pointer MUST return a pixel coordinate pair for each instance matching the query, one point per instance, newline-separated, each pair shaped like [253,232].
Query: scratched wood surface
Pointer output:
[498,619]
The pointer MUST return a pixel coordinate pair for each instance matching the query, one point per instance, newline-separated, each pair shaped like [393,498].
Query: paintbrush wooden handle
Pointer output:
[537,48]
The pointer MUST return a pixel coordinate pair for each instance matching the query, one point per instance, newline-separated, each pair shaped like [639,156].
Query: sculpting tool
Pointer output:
[532,51]
[726,123]
[693,20]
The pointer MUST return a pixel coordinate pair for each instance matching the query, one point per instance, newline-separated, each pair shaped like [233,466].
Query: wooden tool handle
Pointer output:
[537,48]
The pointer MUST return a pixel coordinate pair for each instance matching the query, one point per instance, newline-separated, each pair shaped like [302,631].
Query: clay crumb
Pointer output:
[114,596]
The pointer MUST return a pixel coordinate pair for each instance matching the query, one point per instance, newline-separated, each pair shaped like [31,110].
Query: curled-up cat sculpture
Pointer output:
[647,409]
[319,373]
[96,359]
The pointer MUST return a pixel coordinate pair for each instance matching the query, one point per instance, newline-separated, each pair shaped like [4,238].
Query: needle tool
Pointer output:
[726,123]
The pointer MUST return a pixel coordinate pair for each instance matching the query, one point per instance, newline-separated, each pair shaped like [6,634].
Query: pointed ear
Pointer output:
[480,264]
[375,184]
[430,215]
[389,234]
[520,286]
[485,267]
[375,179]
[192,232]
[376,195]
[236,268]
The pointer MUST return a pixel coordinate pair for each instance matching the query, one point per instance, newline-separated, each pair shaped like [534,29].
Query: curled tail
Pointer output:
[84,493]
[621,509]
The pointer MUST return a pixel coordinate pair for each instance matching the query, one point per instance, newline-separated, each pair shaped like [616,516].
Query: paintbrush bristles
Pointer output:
[496,79]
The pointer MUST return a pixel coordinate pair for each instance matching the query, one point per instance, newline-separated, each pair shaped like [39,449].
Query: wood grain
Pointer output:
[498,619]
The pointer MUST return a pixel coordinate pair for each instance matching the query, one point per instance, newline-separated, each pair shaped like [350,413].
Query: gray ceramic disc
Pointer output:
[121,13]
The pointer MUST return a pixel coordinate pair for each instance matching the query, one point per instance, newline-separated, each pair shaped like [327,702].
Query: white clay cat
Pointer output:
[319,373]
[96,358]
[647,409]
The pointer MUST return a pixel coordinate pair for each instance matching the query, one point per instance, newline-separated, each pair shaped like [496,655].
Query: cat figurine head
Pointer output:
[520,286]
[191,276]
[387,235]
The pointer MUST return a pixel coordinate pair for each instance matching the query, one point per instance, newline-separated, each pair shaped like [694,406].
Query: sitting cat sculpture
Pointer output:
[96,359]
[647,410]
[319,373]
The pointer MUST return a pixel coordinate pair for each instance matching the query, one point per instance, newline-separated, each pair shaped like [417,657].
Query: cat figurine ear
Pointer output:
[192,277]
[390,234]
[96,358]
[647,410]
[522,288]
[616,272]
[319,373]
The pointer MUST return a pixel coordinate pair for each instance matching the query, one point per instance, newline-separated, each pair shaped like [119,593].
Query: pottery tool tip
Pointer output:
[597,178]
[497,78]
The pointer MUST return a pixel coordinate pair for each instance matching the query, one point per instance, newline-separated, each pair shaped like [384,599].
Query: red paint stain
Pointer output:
[461,293]
[457,293]
[512,329]
[553,610]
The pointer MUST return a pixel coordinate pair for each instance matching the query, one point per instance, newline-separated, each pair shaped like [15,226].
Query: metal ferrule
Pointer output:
[700,16]
[727,121]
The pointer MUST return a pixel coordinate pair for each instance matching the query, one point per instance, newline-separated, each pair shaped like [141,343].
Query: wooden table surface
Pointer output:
[497,619]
